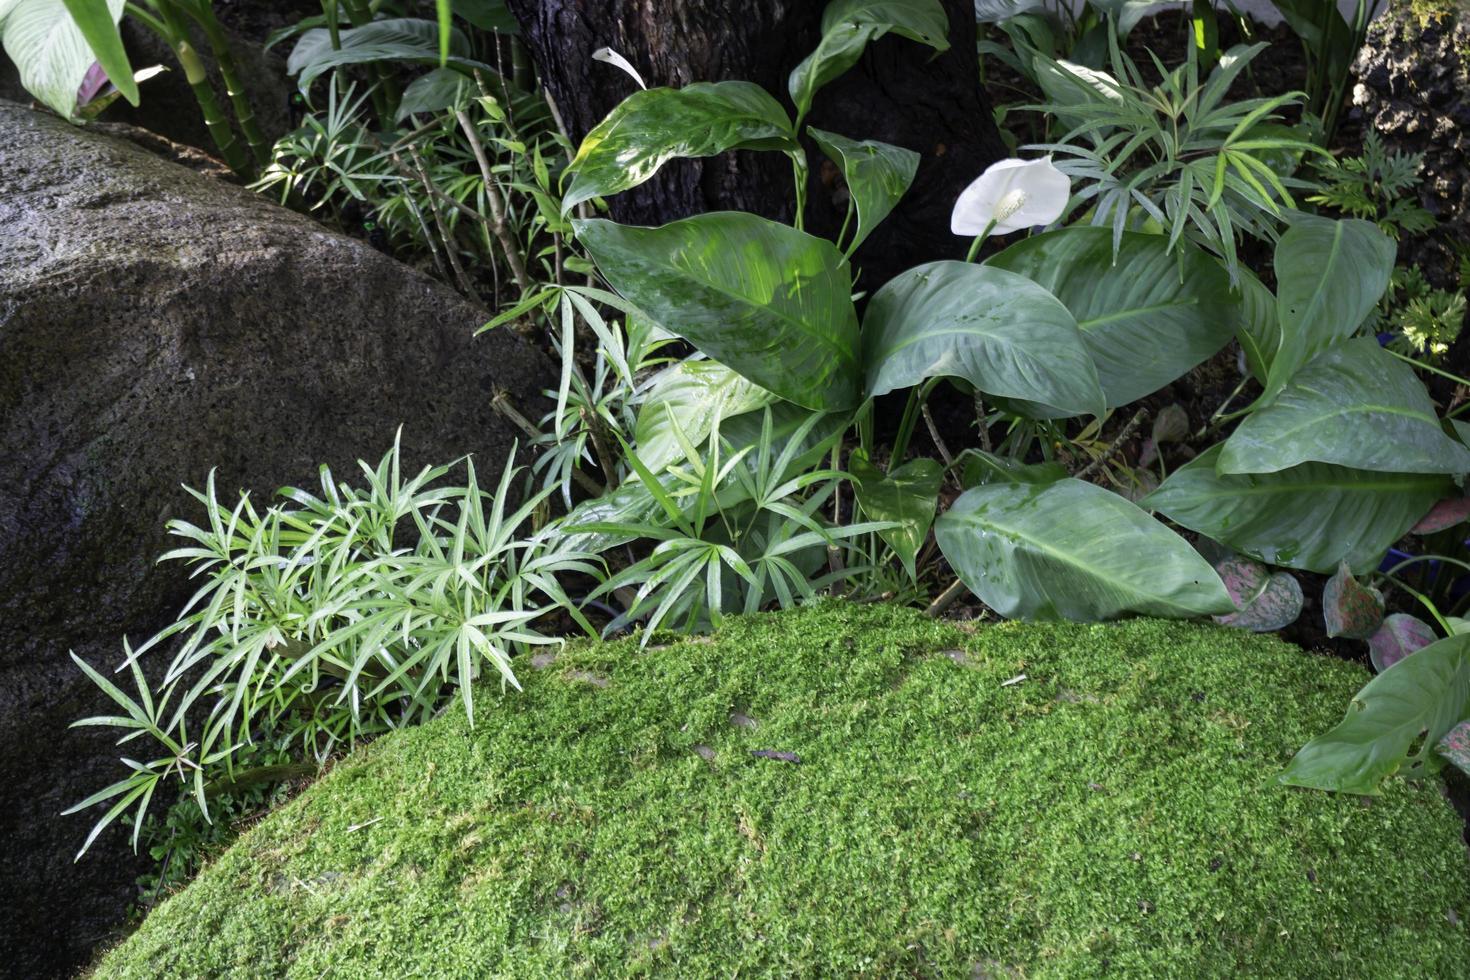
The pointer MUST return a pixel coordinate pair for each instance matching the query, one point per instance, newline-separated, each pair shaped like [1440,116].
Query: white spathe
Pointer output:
[1014,194]
[611,57]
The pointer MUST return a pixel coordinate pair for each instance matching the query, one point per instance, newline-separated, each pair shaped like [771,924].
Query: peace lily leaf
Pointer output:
[1259,332]
[1000,331]
[1147,317]
[1330,275]
[848,26]
[440,89]
[877,175]
[908,496]
[1311,516]
[770,302]
[51,51]
[1350,608]
[393,39]
[1072,550]
[690,395]
[1399,636]
[1354,405]
[1425,694]
[1445,514]
[982,467]
[1455,746]
[652,127]
[488,15]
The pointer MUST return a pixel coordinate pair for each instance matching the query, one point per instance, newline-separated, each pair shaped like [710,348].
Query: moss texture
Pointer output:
[1111,814]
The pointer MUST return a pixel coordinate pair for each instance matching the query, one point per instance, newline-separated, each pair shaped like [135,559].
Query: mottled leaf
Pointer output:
[1445,514]
[689,397]
[651,127]
[907,496]
[981,467]
[877,175]
[1399,636]
[1350,608]
[849,26]
[1455,746]
[1275,607]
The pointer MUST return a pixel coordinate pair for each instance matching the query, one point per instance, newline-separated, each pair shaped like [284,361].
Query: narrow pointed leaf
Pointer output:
[1072,550]
[998,330]
[770,302]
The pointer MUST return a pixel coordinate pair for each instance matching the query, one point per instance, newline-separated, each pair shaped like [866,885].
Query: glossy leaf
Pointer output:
[51,52]
[998,330]
[1147,317]
[651,127]
[1445,514]
[1329,275]
[848,26]
[1311,516]
[393,39]
[436,91]
[907,496]
[877,175]
[1072,550]
[1398,636]
[689,397]
[1396,720]
[1350,608]
[97,20]
[488,15]
[981,467]
[1354,405]
[770,302]
[1258,332]
[1455,746]
[1264,601]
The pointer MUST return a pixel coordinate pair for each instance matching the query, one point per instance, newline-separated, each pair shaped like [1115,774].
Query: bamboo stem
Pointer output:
[498,225]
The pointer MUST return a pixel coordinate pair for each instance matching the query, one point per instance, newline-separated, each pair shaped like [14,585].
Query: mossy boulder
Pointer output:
[848,790]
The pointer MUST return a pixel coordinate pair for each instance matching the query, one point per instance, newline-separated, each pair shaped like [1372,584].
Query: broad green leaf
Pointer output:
[1259,332]
[488,15]
[394,39]
[51,51]
[999,331]
[770,302]
[1311,516]
[1329,276]
[1398,636]
[1147,315]
[1353,405]
[982,467]
[877,175]
[440,89]
[690,396]
[1072,550]
[848,26]
[97,20]
[1395,720]
[907,496]
[651,127]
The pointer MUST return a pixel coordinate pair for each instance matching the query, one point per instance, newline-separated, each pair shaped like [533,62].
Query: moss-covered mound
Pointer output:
[848,790]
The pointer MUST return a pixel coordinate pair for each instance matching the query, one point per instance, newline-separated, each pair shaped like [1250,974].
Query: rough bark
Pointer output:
[899,93]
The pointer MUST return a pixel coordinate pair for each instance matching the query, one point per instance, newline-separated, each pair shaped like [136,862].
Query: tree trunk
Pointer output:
[900,93]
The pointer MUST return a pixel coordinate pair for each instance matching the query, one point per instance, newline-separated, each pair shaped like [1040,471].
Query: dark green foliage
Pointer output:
[1107,815]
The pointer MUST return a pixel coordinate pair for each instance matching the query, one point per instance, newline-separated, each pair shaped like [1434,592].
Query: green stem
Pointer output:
[1432,370]
[175,34]
[224,55]
[979,240]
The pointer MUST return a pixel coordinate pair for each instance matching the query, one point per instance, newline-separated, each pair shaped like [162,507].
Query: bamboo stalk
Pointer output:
[498,225]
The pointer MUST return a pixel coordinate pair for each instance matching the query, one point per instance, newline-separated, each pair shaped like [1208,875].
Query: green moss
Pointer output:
[1110,814]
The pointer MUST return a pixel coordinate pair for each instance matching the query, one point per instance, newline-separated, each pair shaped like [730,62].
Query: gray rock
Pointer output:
[155,324]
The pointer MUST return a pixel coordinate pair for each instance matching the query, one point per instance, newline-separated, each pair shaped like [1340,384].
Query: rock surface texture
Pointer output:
[155,324]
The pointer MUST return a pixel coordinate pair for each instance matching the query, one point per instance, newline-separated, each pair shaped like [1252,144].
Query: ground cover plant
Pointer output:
[847,789]
[724,439]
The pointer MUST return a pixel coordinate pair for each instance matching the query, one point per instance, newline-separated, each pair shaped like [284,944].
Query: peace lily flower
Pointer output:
[1011,195]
